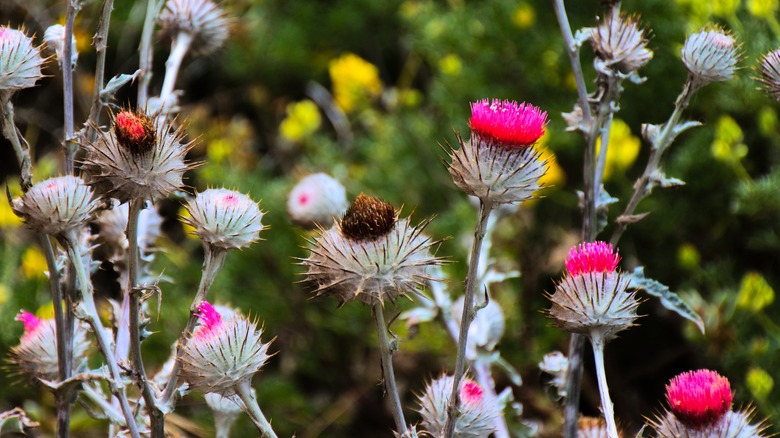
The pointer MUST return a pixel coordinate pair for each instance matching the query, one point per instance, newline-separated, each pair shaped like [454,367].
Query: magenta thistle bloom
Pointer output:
[471,392]
[591,257]
[478,411]
[30,321]
[507,122]
[699,398]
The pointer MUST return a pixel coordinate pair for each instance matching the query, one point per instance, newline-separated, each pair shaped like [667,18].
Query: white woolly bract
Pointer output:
[595,304]
[486,329]
[220,360]
[475,420]
[620,45]
[711,55]
[497,173]
[371,270]
[731,425]
[36,354]
[54,37]
[151,175]
[20,60]
[225,218]
[57,205]
[202,19]
[230,405]
[316,200]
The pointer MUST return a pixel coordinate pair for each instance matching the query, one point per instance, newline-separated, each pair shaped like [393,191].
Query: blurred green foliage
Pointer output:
[715,240]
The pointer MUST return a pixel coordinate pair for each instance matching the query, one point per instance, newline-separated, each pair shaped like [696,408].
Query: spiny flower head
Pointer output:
[620,45]
[316,200]
[135,131]
[731,425]
[507,123]
[20,60]
[591,257]
[478,411]
[699,398]
[222,353]
[203,20]
[770,74]
[370,255]
[225,219]
[56,205]
[711,55]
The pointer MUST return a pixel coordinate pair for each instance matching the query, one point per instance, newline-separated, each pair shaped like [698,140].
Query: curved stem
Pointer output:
[472,283]
[606,402]
[574,57]
[179,47]
[388,375]
[105,407]
[244,391]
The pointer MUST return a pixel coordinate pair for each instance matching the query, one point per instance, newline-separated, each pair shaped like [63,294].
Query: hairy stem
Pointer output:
[71,146]
[179,48]
[21,149]
[573,51]
[252,409]
[212,264]
[472,283]
[105,407]
[146,52]
[606,402]
[100,48]
[388,375]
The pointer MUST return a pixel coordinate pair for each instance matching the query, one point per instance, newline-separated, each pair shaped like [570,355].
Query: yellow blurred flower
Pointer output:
[623,149]
[450,65]
[728,146]
[46,311]
[688,256]
[724,8]
[555,177]
[355,80]
[762,8]
[4,294]
[33,263]
[7,217]
[303,119]
[759,382]
[188,229]
[754,293]
[524,16]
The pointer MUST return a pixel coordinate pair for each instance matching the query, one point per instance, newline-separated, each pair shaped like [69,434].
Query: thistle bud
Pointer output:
[620,45]
[36,354]
[20,60]
[54,37]
[770,74]
[134,131]
[477,411]
[225,218]
[500,164]
[593,297]
[57,205]
[711,55]
[222,354]
[203,20]
[370,255]
[316,200]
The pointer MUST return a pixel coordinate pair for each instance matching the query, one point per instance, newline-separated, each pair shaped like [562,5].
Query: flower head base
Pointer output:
[478,411]
[123,169]
[711,55]
[699,398]
[57,205]
[591,257]
[371,263]
[501,164]
[316,200]
[203,20]
[730,425]
[20,61]
[36,354]
[770,74]
[620,45]
[222,353]
[225,218]
[507,123]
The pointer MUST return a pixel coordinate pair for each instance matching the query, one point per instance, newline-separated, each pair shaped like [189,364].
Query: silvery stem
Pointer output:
[146,52]
[179,48]
[252,409]
[388,375]
[71,146]
[21,149]
[100,47]
[607,408]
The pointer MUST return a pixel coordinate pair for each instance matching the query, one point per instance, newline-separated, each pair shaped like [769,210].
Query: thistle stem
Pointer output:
[89,313]
[147,54]
[252,409]
[71,146]
[387,369]
[21,149]
[179,47]
[105,407]
[213,261]
[472,283]
[156,416]
[606,402]
[573,51]
[100,47]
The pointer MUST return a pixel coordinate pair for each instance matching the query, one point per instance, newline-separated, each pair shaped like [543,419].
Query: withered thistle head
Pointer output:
[203,20]
[134,131]
[770,74]
[711,55]
[620,45]
[225,219]
[370,255]
[20,60]
[57,205]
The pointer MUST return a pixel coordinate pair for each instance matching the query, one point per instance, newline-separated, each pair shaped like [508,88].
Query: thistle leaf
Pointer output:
[669,299]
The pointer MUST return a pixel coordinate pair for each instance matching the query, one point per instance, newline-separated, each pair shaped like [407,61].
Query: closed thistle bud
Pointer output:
[203,20]
[500,164]
[770,74]
[125,164]
[54,37]
[20,60]
[316,200]
[222,354]
[57,205]
[620,45]
[225,219]
[477,411]
[593,298]
[36,354]
[711,55]
[370,255]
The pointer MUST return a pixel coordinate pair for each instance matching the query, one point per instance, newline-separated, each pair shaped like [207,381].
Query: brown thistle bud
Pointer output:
[134,131]
[368,218]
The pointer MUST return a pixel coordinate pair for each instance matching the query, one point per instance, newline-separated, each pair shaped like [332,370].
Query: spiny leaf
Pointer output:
[669,299]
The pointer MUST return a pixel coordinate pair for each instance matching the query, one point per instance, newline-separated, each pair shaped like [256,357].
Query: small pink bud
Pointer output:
[507,122]
[471,392]
[30,321]
[225,218]
[591,257]
[699,398]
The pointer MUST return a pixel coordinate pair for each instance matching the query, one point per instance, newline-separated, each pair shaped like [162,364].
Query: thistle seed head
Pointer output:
[54,37]
[57,205]
[620,45]
[368,218]
[316,200]
[20,60]
[225,218]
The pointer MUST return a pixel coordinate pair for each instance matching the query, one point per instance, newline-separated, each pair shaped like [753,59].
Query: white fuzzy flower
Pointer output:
[203,20]
[20,60]
[57,205]
[225,218]
[711,55]
[316,200]
[54,37]
[478,411]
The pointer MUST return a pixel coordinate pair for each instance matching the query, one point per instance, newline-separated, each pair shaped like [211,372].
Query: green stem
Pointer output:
[387,369]
[252,409]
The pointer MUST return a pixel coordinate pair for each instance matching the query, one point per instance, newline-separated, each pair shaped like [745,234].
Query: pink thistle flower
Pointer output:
[478,411]
[699,398]
[471,392]
[210,320]
[591,257]
[135,131]
[507,122]
[30,321]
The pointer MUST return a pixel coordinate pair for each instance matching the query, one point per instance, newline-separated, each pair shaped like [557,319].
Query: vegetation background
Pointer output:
[403,73]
